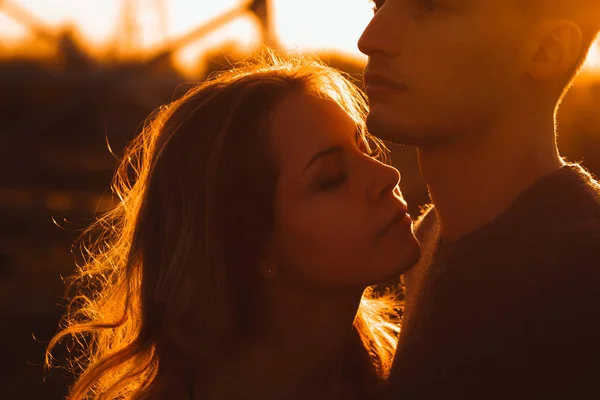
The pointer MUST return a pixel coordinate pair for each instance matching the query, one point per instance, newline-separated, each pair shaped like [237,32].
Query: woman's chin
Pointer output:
[407,260]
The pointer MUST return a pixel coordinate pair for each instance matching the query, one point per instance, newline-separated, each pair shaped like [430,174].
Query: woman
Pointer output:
[254,212]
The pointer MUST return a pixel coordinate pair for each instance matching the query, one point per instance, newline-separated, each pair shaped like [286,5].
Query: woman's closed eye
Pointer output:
[334,182]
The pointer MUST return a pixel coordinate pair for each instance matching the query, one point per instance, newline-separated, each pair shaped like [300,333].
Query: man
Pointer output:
[505,301]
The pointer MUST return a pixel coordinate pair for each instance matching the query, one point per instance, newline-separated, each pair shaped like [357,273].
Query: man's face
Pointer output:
[457,67]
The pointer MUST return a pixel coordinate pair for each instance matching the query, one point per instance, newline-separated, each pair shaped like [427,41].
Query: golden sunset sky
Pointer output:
[303,25]
[312,25]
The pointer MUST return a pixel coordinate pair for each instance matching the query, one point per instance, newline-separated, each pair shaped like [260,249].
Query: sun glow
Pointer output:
[593,58]
[312,25]
[305,25]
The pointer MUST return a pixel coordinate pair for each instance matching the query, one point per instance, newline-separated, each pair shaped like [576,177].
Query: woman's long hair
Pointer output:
[167,278]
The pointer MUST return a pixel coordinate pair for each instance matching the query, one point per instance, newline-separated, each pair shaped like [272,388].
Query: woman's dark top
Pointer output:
[358,374]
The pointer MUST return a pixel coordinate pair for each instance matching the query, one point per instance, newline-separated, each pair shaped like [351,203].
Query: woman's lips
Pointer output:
[400,218]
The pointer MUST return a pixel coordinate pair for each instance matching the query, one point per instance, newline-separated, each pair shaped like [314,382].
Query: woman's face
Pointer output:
[340,220]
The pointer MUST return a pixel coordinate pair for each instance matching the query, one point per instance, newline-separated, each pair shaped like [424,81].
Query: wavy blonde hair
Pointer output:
[161,291]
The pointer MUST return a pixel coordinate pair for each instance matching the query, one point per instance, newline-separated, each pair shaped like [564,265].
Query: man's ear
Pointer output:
[556,50]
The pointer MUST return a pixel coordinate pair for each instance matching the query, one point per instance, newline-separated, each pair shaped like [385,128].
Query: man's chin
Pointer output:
[392,132]
[401,133]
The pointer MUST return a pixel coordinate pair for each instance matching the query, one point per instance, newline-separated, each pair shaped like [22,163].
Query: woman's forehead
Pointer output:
[303,124]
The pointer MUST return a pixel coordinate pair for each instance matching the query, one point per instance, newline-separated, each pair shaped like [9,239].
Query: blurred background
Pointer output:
[77,75]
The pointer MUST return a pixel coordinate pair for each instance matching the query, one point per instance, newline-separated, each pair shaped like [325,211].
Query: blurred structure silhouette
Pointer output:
[40,96]
[59,112]
[57,115]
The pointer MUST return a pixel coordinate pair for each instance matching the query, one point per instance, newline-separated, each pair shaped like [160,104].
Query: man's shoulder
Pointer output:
[574,245]
[579,190]
[563,204]
[572,214]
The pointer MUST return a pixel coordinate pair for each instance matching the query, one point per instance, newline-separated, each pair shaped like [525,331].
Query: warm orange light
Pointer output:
[319,24]
[593,59]
[304,25]
[307,25]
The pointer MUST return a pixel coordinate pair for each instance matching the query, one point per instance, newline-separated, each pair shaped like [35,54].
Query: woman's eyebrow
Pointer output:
[326,152]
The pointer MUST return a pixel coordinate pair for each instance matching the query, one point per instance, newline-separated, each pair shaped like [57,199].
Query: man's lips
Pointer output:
[376,80]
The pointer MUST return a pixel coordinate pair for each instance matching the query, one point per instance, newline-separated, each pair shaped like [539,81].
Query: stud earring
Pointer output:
[268,269]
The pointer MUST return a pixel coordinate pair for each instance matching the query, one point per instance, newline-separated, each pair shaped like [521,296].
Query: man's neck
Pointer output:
[475,181]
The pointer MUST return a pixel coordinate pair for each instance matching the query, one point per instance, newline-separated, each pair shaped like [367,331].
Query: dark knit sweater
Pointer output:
[512,310]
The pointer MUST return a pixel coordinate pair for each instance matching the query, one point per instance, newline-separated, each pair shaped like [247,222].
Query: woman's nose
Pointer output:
[386,180]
